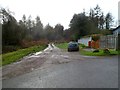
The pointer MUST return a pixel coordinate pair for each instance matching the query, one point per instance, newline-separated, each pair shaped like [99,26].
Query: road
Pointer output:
[56,68]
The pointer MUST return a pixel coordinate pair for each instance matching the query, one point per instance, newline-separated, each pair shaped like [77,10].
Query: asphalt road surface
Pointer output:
[56,68]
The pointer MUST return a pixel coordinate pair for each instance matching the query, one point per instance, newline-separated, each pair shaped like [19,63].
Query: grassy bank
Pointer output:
[17,55]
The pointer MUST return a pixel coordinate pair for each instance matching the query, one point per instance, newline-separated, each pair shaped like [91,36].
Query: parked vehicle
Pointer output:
[73,46]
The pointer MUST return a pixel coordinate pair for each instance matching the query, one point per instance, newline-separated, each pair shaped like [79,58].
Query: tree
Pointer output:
[10,35]
[24,19]
[58,31]
[29,29]
[78,25]
[49,32]
[97,15]
[39,25]
[101,21]
[29,23]
[67,34]
[22,28]
[38,29]
[91,14]
[108,20]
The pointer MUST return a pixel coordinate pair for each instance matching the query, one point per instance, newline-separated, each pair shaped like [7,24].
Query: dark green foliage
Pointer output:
[49,32]
[11,33]
[77,26]
[108,20]
[82,46]
[106,51]
[10,48]
[58,32]
[96,50]
[105,32]
[95,37]
[37,29]
[94,23]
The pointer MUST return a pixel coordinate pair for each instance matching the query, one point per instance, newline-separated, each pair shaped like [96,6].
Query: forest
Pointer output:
[27,32]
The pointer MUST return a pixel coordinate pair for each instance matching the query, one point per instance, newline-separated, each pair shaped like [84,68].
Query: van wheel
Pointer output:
[68,50]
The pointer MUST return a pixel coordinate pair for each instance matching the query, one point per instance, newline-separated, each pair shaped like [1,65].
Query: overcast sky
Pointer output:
[57,11]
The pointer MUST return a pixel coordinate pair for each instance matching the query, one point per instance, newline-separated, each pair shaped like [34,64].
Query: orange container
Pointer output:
[96,44]
[93,44]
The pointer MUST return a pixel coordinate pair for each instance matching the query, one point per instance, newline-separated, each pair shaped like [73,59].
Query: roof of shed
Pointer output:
[116,28]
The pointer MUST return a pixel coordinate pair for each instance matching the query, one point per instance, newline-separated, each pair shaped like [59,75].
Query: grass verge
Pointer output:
[62,45]
[11,57]
[89,53]
[100,53]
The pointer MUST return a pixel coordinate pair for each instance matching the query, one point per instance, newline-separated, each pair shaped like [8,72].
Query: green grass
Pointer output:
[62,45]
[89,53]
[100,53]
[17,55]
[82,46]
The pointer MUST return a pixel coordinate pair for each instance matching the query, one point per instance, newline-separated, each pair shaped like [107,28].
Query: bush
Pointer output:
[106,51]
[96,50]
[10,48]
[23,44]
[82,46]
[26,44]
[95,37]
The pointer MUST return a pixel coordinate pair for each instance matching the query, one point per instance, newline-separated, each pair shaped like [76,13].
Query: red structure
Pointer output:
[93,44]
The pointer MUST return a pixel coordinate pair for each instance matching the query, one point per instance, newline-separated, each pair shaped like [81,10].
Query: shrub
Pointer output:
[95,37]
[106,51]
[10,48]
[26,44]
[82,46]
[96,50]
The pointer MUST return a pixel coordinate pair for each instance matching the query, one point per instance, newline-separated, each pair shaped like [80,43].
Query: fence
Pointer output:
[109,41]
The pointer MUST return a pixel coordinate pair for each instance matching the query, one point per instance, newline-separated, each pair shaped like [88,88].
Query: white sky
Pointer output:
[57,11]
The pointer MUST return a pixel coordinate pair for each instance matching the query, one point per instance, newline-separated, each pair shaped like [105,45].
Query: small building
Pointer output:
[116,31]
[111,41]
[85,40]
